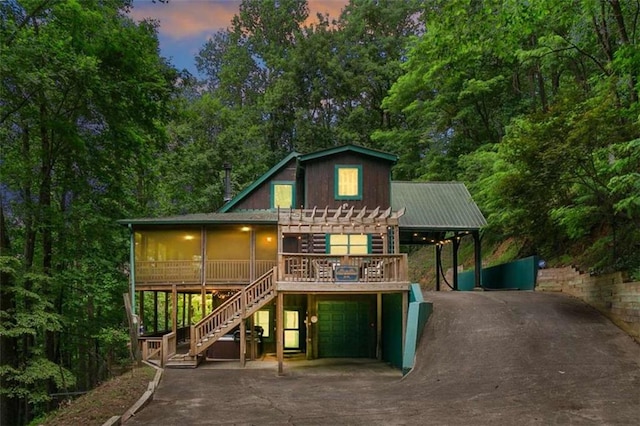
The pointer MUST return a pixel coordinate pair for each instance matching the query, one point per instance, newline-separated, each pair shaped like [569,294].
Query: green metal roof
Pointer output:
[436,206]
[248,216]
[355,148]
[258,182]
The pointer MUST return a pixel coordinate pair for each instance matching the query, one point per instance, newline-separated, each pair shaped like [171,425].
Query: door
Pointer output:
[292,330]
[345,329]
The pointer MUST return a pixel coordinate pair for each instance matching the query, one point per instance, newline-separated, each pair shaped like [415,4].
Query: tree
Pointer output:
[82,88]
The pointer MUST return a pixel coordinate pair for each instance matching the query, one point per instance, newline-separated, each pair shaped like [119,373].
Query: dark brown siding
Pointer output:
[260,198]
[320,176]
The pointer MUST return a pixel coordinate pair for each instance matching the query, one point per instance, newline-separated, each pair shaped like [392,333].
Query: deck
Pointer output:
[296,272]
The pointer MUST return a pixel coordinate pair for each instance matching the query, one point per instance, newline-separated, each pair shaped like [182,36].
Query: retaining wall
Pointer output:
[618,300]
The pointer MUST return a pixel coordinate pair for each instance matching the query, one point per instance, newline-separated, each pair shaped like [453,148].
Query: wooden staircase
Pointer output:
[226,317]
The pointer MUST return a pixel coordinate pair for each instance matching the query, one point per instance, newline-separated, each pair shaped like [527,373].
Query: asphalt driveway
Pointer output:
[485,358]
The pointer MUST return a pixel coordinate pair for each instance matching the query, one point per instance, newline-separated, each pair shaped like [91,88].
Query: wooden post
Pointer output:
[184,308]
[141,311]
[166,311]
[174,308]
[379,326]
[243,329]
[155,311]
[438,261]
[280,332]
[405,313]
[456,244]
[478,258]
[133,330]
[203,301]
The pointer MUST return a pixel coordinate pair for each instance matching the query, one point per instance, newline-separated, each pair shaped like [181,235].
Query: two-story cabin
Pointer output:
[307,257]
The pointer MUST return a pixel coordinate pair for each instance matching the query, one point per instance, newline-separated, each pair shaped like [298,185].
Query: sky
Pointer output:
[185,25]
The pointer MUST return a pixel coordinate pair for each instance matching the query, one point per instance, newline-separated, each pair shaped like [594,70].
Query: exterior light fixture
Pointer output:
[245,229]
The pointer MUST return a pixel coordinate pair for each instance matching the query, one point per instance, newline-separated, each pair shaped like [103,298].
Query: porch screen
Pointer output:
[348,244]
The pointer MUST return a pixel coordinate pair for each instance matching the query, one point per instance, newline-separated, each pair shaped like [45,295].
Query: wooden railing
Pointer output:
[228,315]
[331,268]
[187,271]
[166,271]
[158,350]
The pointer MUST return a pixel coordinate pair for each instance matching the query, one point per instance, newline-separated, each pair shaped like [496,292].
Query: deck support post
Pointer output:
[379,326]
[243,330]
[280,332]
[141,312]
[174,308]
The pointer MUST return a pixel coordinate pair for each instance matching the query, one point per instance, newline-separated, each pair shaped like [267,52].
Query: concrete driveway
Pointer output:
[486,358]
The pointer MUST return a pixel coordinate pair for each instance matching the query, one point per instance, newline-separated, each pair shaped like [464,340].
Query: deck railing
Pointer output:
[334,268]
[188,271]
[158,349]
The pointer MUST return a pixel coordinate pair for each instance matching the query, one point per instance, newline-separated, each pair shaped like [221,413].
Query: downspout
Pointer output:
[132,269]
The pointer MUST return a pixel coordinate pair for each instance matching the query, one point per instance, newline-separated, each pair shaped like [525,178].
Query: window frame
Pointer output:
[348,245]
[272,194]
[336,189]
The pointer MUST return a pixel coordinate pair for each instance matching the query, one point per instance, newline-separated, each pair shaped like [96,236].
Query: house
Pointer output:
[308,257]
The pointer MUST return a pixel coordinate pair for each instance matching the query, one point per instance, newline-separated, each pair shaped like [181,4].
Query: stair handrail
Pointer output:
[257,289]
[235,306]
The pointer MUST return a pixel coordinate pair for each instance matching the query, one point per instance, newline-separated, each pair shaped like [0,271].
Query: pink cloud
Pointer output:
[182,19]
[186,19]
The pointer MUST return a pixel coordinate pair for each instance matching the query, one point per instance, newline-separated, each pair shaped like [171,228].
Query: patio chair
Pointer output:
[374,271]
[323,270]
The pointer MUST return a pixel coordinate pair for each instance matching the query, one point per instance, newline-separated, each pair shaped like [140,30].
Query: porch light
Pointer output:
[269,239]
[189,237]
[245,229]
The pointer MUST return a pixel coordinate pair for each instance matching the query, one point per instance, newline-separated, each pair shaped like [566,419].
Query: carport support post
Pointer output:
[478,259]
[438,262]
[280,332]
[456,244]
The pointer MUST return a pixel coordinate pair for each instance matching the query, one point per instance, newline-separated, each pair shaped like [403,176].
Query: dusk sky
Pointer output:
[185,25]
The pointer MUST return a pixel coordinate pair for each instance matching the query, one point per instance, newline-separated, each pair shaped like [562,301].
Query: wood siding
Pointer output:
[320,181]
[260,198]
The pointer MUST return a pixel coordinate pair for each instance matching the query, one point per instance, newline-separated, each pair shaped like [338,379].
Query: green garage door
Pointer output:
[344,331]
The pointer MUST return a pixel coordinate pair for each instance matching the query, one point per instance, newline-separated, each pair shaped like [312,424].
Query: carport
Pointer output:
[439,213]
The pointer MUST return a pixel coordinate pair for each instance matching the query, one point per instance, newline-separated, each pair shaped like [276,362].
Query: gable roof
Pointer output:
[275,169]
[353,148]
[436,206]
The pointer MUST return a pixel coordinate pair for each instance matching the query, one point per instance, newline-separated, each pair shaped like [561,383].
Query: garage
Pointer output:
[346,329]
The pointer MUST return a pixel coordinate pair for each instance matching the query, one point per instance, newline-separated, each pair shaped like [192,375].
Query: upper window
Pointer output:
[282,195]
[348,182]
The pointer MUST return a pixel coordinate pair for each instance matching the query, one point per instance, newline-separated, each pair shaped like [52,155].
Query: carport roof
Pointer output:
[436,206]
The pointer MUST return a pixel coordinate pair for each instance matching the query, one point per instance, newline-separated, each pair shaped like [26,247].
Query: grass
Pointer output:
[111,398]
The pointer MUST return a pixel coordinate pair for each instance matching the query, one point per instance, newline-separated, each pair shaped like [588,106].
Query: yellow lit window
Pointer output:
[282,195]
[348,184]
[348,244]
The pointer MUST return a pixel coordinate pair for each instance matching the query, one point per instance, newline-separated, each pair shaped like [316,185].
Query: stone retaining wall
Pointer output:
[618,300]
